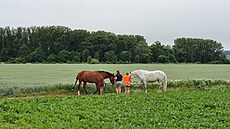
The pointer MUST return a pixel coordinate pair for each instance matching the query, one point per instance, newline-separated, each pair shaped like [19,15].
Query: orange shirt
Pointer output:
[127,80]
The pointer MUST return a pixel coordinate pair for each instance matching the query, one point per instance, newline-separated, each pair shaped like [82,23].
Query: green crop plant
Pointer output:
[177,109]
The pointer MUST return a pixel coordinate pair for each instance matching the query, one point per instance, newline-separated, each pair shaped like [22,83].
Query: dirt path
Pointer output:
[43,96]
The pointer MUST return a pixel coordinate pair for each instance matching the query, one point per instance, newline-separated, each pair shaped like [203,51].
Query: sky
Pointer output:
[156,20]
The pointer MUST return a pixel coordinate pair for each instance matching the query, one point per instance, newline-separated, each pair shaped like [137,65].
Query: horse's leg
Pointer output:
[99,92]
[142,85]
[85,88]
[98,88]
[160,86]
[78,89]
[95,92]
[145,86]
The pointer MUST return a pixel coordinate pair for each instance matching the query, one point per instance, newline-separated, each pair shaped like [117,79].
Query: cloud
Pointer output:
[156,20]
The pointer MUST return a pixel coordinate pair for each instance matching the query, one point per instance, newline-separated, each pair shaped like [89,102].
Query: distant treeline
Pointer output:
[60,44]
[227,53]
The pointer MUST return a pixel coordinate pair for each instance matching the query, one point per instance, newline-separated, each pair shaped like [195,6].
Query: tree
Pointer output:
[85,55]
[23,50]
[95,61]
[145,58]
[163,59]
[51,58]
[64,56]
[197,50]
[137,59]
[60,43]
[37,55]
[125,56]
[76,38]
[89,59]
[97,56]
[110,57]
[156,50]
[4,55]
[144,51]
[161,53]
[76,57]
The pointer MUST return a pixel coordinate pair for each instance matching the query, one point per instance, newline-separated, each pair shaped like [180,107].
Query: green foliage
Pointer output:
[136,87]
[36,44]
[85,55]
[125,56]
[4,54]
[76,57]
[205,106]
[163,59]
[110,57]
[94,61]
[188,109]
[23,50]
[198,50]
[89,60]
[51,58]
[137,59]
[64,56]
[36,56]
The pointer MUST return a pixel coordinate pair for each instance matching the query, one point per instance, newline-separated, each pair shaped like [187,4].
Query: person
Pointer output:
[118,78]
[127,81]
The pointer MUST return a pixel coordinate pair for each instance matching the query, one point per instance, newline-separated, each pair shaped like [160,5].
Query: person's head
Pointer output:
[118,71]
[127,73]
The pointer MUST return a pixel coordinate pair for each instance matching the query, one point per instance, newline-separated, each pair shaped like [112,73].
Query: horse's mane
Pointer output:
[106,72]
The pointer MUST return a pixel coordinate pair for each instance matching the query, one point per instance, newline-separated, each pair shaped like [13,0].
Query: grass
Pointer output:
[17,79]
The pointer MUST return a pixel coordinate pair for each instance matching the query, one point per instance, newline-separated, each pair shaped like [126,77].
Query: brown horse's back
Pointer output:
[90,76]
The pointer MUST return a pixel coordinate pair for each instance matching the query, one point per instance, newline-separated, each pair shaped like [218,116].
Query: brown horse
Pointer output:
[96,77]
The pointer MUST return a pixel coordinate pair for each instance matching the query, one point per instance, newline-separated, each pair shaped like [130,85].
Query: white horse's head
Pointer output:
[132,75]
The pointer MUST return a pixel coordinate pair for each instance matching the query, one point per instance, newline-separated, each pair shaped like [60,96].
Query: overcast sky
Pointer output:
[156,20]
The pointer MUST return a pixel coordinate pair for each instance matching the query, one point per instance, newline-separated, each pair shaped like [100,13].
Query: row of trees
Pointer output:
[62,44]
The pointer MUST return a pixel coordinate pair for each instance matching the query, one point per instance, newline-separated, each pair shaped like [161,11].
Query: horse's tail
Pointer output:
[75,81]
[165,84]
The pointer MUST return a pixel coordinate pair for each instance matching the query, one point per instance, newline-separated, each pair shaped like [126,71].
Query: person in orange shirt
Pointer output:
[127,81]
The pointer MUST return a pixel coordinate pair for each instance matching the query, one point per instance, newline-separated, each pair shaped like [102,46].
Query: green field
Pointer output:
[187,109]
[196,108]
[47,74]
[17,79]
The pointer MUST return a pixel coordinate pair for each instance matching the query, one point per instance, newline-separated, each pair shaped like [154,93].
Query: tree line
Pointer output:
[60,44]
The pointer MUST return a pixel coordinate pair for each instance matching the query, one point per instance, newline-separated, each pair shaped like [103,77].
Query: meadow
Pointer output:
[16,79]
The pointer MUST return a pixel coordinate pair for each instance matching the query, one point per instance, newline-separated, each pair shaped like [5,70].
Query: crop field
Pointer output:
[187,109]
[207,107]
[47,74]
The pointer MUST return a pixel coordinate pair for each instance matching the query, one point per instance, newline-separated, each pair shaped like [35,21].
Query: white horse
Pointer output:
[151,76]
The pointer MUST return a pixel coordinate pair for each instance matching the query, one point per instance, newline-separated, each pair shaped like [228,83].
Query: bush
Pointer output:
[67,87]
[163,59]
[95,61]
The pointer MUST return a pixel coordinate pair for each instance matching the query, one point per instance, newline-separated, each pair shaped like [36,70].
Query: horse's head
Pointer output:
[112,79]
[131,75]
[109,75]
